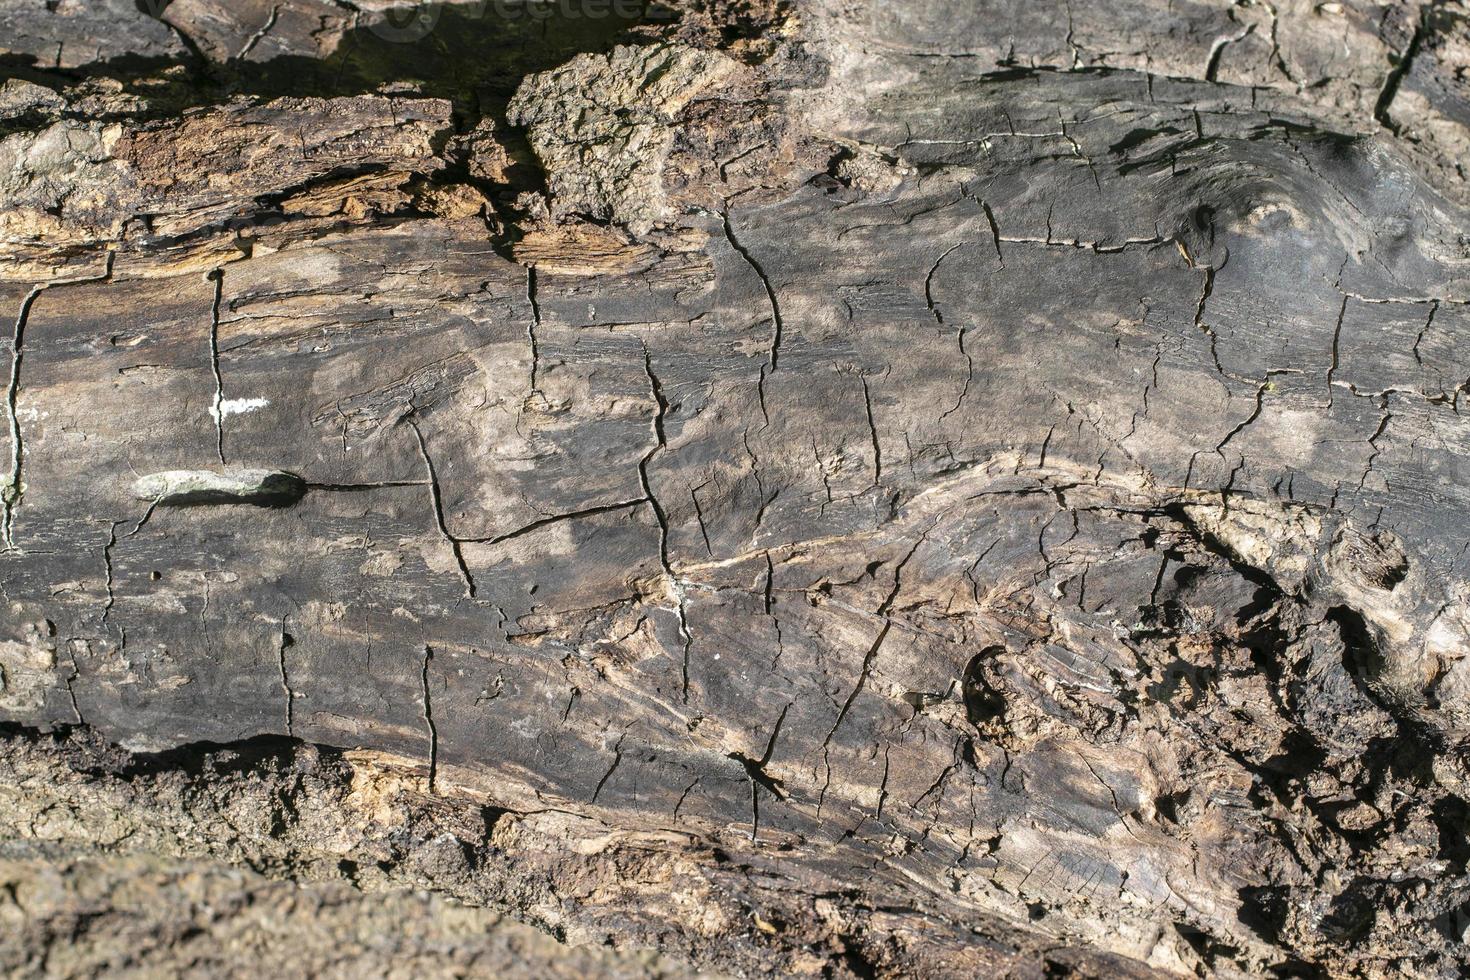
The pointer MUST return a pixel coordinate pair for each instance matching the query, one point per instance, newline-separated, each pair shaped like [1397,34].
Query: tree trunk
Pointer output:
[944,489]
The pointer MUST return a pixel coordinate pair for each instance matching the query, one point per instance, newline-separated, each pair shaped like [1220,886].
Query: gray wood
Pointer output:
[991,474]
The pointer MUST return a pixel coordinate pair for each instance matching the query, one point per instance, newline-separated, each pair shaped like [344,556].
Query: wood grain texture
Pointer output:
[987,475]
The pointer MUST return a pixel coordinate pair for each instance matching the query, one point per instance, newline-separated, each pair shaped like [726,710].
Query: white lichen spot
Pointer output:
[241,406]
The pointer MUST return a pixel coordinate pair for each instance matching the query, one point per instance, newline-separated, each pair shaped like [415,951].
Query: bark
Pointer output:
[816,486]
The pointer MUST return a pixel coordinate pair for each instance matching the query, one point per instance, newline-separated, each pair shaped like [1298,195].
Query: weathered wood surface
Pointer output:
[995,470]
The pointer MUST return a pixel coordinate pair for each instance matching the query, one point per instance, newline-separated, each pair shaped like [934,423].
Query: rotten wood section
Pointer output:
[996,481]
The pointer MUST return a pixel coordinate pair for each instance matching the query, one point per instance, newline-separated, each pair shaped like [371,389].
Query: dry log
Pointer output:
[806,486]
